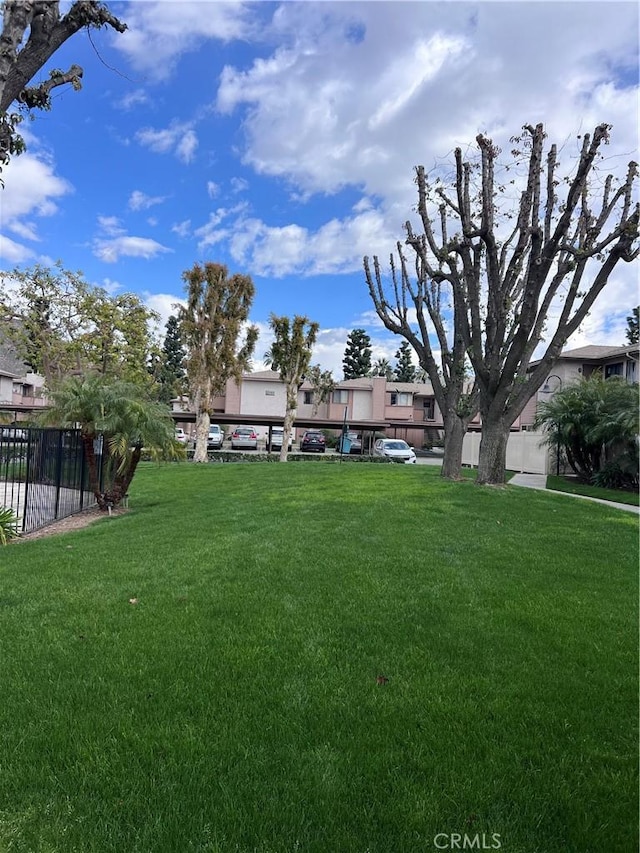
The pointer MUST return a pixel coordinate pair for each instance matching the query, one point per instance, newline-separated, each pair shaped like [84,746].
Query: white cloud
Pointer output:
[140,201]
[212,189]
[164,304]
[114,243]
[186,148]
[14,253]
[338,246]
[178,137]
[132,99]
[31,189]
[159,32]
[239,185]
[182,229]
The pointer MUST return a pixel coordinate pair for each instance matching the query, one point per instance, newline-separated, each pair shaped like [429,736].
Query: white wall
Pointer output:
[524,452]
[362,409]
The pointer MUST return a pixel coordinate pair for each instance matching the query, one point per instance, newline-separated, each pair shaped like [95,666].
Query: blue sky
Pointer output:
[280,139]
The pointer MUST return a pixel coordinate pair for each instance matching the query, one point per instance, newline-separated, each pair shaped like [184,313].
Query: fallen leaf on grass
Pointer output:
[133,601]
[382,679]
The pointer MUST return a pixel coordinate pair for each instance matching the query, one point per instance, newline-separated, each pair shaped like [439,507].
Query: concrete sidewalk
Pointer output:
[539,481]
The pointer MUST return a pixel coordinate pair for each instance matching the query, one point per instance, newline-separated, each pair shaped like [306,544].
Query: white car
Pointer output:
[277,436]
[215,438]
[181,436]
[394,449]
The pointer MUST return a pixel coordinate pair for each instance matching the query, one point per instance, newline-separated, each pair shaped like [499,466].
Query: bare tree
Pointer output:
[20,62]
[511,271]
[290,354]
[429,297]
[211,324]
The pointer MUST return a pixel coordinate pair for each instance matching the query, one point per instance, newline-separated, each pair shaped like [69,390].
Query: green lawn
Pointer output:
[574,487]
[325,659]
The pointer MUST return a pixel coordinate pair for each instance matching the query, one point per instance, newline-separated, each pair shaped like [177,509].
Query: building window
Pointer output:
[429,409]
[270,393]
[613,370]
[398,399]
[308,397]
[340,396]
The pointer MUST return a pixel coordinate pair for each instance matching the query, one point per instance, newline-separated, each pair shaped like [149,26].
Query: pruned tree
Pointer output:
[357,355]
[405,370]
[632,326]
[395,302]
[290,354]
[21,60]
[212,323]
[526,274]
[60,325]
[322,383]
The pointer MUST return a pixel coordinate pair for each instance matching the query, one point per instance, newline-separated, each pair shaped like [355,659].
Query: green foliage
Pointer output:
[357,355]
[58,324]
[633,335]
[322,382]
[405,370]
[8,525]
[290,352]
[382,367]
[170,371]
[127,419]
[211,325]
[595,422]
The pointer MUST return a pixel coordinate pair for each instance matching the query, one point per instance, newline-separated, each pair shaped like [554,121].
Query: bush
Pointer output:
[613,475]
[8,525]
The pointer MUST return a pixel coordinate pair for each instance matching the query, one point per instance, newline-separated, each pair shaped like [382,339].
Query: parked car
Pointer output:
[216,437]
[313,440]
[394,449]
[14,434]
[354,446]
[181,435]
[277,437]
[244,438]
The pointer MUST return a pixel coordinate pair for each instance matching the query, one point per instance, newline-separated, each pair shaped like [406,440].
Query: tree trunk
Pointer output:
[455,428]
[288,423]
[492,462]
[92,468]
[203,421]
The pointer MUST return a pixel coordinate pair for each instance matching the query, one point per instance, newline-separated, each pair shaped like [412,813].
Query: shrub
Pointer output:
[8,525]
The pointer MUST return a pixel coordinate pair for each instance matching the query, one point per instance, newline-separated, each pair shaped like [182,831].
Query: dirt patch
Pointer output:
[66,525]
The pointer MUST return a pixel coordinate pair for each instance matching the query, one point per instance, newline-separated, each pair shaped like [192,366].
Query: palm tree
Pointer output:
[382,367]
[595,421]
[127,421]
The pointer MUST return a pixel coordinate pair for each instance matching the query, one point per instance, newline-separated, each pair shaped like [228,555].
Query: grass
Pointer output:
[240,702]
[574,487]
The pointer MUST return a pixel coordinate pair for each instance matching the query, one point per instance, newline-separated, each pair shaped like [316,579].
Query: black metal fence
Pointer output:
[43,474]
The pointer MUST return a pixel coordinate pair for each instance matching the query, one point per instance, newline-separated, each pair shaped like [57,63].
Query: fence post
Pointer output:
[58,473]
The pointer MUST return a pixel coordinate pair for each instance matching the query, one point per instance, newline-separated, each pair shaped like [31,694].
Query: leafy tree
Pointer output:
[126,419]
[632,326]
[357,355]
[217,309]
[290,354]
[405,371]
[507,269]
[323,383]
[382,367]
[170,372]
[596,423]
[21,60]
[59,325]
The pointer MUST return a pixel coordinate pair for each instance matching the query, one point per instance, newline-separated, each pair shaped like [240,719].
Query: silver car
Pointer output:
[244,438]
[394,449]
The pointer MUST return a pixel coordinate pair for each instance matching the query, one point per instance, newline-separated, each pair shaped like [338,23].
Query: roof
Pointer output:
[598,353]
